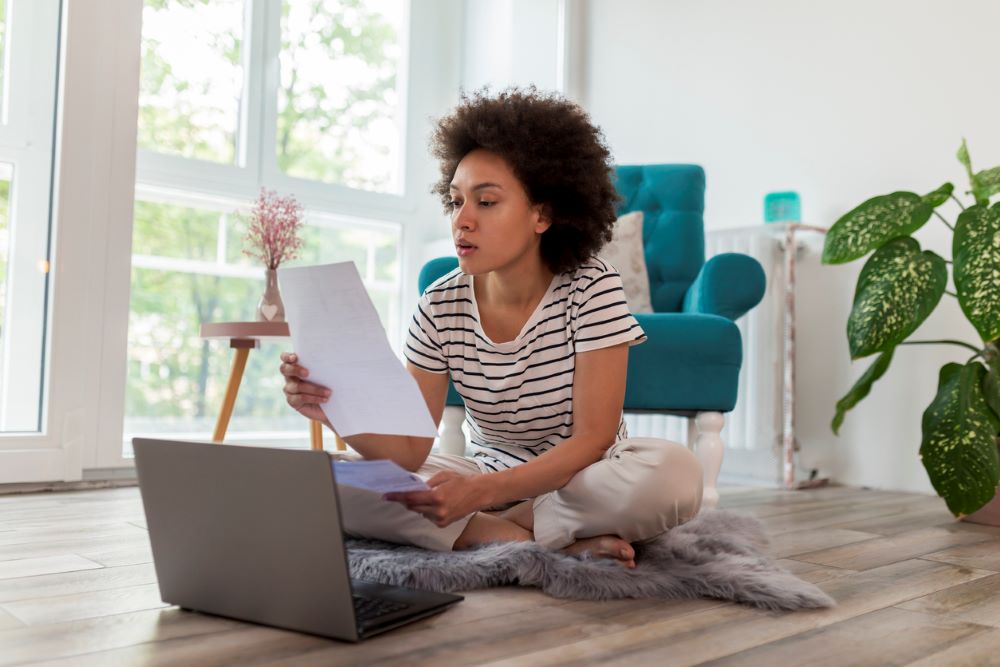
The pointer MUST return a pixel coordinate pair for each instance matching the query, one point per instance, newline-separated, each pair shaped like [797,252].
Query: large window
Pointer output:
[338,101]
[28,64]
[301,96]
[192,80]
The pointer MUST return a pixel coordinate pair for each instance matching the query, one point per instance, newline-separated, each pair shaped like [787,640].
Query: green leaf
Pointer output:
[986,183]
[959,447]
[874,222]
[861,388]
[939,196]
[898,288]
[976,253]
[980,191]
[963,157]
[991,385]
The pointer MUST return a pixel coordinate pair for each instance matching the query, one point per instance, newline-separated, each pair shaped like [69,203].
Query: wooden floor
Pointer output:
[914,587]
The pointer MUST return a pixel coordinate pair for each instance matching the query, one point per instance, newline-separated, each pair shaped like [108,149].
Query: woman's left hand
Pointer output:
[452,496]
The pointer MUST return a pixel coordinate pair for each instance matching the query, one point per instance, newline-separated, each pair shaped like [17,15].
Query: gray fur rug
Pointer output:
[717,554]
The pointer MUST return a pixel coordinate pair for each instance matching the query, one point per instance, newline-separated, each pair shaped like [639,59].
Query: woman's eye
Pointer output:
[487,204]
[454,203]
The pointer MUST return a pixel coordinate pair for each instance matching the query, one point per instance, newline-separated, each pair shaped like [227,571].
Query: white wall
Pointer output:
[839,101]
[511,42]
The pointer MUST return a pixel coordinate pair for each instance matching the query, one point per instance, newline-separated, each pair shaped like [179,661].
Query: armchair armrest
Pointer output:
[729,285]
[688,362]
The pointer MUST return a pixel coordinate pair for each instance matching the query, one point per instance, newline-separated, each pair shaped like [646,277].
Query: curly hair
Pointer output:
[556,153]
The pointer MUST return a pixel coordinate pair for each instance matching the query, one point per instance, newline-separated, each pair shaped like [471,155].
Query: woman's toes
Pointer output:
[604,546]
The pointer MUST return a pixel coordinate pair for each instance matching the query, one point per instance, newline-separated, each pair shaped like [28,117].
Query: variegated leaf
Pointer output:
[874,222]
[991,385]
[861,388]
[898,288]
[986,183]
[959,447]
[939,196]
[976,254]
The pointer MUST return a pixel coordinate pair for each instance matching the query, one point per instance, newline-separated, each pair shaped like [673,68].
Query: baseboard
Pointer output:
[83,485]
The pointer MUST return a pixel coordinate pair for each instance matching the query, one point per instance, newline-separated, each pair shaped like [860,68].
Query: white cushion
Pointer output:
[625,253]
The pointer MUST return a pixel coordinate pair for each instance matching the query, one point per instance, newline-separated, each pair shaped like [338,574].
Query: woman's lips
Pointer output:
[465,250]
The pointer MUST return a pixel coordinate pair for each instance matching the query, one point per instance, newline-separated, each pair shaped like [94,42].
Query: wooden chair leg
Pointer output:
[341,445]
[709,450]
[235,377]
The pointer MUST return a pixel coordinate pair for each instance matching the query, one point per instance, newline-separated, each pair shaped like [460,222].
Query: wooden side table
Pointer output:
[243,337]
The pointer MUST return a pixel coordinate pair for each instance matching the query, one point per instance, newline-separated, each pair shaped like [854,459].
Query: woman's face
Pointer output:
[493,223]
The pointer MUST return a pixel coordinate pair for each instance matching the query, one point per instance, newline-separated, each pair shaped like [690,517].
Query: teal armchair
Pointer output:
[690,364]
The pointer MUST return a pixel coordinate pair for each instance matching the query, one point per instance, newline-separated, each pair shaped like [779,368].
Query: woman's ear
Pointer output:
[543,218]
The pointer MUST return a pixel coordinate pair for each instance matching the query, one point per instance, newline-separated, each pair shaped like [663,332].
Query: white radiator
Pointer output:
[755,423]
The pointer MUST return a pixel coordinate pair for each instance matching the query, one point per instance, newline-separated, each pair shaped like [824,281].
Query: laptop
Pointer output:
[254,534]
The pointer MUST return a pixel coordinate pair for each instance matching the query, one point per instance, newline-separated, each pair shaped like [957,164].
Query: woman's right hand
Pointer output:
[302,395]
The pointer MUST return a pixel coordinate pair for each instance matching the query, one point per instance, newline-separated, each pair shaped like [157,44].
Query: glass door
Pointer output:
[28,62]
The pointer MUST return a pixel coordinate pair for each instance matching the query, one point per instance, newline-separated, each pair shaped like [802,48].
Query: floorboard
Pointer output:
[913,586]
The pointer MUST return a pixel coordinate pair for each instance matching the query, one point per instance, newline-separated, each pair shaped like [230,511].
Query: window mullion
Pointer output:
[269,80]
[254,62]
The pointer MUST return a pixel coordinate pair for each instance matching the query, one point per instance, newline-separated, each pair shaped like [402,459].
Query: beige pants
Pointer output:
[639,489]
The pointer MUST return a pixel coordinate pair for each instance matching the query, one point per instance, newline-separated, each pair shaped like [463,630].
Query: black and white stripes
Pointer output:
[519,394]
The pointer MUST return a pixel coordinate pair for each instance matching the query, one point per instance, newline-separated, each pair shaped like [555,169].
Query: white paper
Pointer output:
[383,476]
[338,337]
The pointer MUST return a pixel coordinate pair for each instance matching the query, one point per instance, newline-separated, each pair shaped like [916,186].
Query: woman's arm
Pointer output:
[408,451]
[598,397]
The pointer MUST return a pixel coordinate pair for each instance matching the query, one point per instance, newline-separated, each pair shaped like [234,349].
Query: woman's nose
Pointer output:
[464,218]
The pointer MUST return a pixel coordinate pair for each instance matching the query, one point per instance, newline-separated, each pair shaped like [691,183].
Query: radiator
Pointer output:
[756,422]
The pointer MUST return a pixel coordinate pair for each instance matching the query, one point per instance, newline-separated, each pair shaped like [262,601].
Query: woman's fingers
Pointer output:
[301,395]
[293,370]
[295,386]
[290,366]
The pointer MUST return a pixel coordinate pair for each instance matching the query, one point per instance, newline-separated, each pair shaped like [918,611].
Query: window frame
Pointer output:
[26,143]
[95,176]
[256,161]
[93,161]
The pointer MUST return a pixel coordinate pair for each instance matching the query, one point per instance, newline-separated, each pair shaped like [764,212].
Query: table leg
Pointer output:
[235,377]
[315,434]
[316,437]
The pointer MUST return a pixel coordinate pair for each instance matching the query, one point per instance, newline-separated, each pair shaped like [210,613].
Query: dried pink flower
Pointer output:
[273,230]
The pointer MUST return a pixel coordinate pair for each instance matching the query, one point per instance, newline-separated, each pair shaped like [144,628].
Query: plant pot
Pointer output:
[270,308]
[988,514]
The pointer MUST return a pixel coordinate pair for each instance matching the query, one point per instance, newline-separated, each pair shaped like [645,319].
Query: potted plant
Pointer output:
[273,237]
[899,286]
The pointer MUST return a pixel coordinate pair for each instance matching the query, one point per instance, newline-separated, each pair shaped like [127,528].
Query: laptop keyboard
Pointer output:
[367,609]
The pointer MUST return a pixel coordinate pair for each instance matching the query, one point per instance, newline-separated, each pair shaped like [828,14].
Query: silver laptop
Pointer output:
[254,533]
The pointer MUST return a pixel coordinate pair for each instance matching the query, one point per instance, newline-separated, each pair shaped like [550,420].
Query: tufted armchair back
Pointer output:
[672,199]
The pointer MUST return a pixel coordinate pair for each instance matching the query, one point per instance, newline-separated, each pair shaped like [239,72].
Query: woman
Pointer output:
[533,329]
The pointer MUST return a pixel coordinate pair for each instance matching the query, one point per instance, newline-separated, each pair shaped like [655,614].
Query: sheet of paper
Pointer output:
[337,335]
[382,476]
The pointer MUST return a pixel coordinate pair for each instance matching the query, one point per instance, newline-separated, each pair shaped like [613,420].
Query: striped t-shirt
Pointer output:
[519,394]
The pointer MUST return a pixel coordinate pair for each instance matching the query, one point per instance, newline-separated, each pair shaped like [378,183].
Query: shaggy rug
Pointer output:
[718,554]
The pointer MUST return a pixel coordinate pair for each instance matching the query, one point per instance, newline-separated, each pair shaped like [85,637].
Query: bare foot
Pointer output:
[604,546]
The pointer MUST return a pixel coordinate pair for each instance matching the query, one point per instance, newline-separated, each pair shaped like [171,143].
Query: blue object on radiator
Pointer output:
[782,207]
